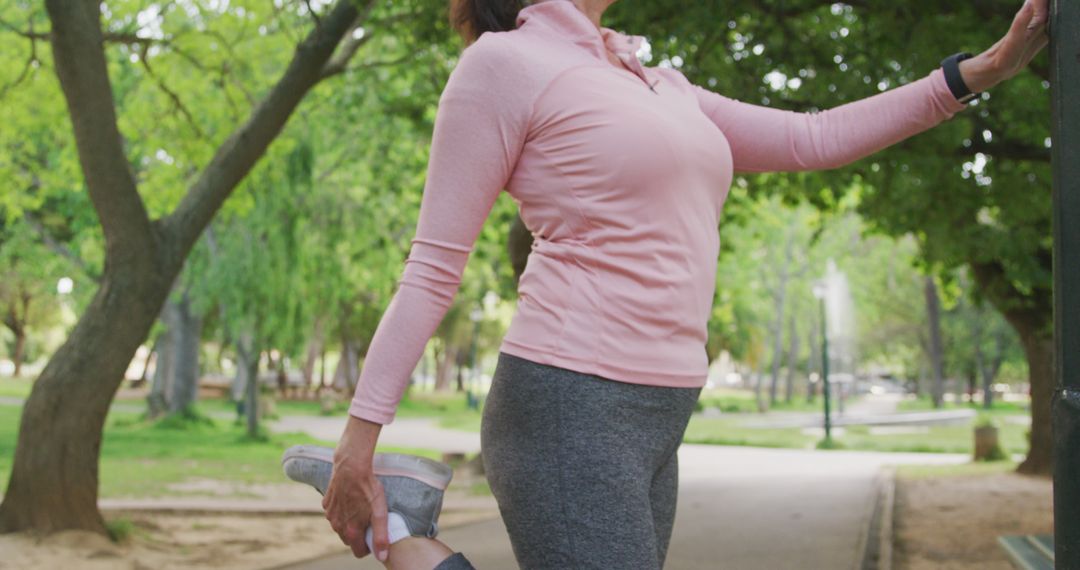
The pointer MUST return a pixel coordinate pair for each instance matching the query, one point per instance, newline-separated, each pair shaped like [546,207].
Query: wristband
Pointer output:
[951,67]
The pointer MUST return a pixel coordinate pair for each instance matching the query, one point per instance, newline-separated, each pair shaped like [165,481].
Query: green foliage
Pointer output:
[829,443]
[120,529]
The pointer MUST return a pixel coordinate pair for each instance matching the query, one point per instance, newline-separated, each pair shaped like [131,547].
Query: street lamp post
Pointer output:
[820,291]
[1065,130]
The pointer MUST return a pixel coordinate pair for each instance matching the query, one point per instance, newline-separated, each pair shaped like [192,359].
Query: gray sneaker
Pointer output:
[413,485]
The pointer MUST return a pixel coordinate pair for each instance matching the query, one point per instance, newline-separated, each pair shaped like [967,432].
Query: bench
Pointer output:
[1030,552]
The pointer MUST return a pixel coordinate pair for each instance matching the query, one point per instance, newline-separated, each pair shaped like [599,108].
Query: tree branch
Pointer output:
[59,248]
[352,44]
[239,153]
[144,59]
[381,63]
[80,65]
[30,61]
[127,38]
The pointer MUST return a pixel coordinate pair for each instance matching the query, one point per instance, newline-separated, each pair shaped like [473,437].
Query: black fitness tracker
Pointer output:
[951,67]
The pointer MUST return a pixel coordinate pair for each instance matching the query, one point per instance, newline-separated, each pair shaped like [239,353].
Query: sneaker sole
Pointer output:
[422,469]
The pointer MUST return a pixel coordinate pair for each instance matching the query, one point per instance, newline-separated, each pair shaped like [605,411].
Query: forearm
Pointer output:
[428,285]
[358,440]
[847,133]
[978,74]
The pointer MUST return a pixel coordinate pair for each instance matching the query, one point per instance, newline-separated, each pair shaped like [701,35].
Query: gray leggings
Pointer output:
[583,468]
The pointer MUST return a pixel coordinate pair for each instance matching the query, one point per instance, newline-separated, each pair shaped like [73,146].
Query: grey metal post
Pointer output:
[1065,101]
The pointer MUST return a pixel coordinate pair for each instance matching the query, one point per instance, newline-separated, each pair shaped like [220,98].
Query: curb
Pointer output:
[210,507]
[876,540]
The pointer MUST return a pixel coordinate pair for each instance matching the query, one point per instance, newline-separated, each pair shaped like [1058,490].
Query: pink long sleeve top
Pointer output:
[620,173]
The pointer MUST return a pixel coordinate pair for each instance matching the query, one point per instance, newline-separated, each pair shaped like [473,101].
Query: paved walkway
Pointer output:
[402,432]
[739,507]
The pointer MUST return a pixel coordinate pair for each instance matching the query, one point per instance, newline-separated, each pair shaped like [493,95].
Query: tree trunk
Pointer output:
[185,362]
[779,303]
[1039,350]
[248,355]
[987,389]
[461,361]
[990,370]
[314,348]
[322,367]
[54,478]
[277,365]
[980,362]
[973,380]
[20,351]
[157,402]
[444,367]
[936,352]
[347,370]
[792,360]
[1031,315]
[16,322]
[759,399]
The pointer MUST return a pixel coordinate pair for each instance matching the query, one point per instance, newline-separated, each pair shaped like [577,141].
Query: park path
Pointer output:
[421,433]
[739,508]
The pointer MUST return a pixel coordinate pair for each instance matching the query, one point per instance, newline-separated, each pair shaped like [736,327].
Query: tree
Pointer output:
[28,281]
[53,483]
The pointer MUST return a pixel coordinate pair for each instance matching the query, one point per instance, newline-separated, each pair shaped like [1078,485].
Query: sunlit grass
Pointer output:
[960,470]
[15,387]
[935,439]
[140,458]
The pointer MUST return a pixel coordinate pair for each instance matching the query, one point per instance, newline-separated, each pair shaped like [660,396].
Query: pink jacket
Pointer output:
[620,174]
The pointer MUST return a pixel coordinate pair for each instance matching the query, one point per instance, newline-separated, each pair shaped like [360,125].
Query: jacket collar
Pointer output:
[564,18]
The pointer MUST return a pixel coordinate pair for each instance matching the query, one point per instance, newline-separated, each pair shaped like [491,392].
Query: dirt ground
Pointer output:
[178,541]
[952,523]
[182,531]
[181,541]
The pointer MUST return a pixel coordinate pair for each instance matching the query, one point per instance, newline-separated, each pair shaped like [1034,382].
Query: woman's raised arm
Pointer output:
[765,139]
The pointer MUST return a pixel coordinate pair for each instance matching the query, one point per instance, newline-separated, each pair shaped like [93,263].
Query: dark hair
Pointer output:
[473,17]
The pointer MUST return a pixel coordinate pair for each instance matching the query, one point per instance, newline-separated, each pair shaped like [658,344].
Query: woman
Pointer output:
[620,172]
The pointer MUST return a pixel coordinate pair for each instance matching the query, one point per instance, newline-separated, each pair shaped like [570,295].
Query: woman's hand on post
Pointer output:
[1026,36]
[354,499]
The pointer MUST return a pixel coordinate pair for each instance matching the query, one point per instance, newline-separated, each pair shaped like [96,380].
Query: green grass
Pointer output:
[139,458]
[413,405]
[15,387]
[961,470]
[924,403]
[281,407]
[743,401]
[728,431]
[938,439]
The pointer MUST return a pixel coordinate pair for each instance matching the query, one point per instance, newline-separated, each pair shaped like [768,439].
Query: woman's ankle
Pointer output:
[417,552]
